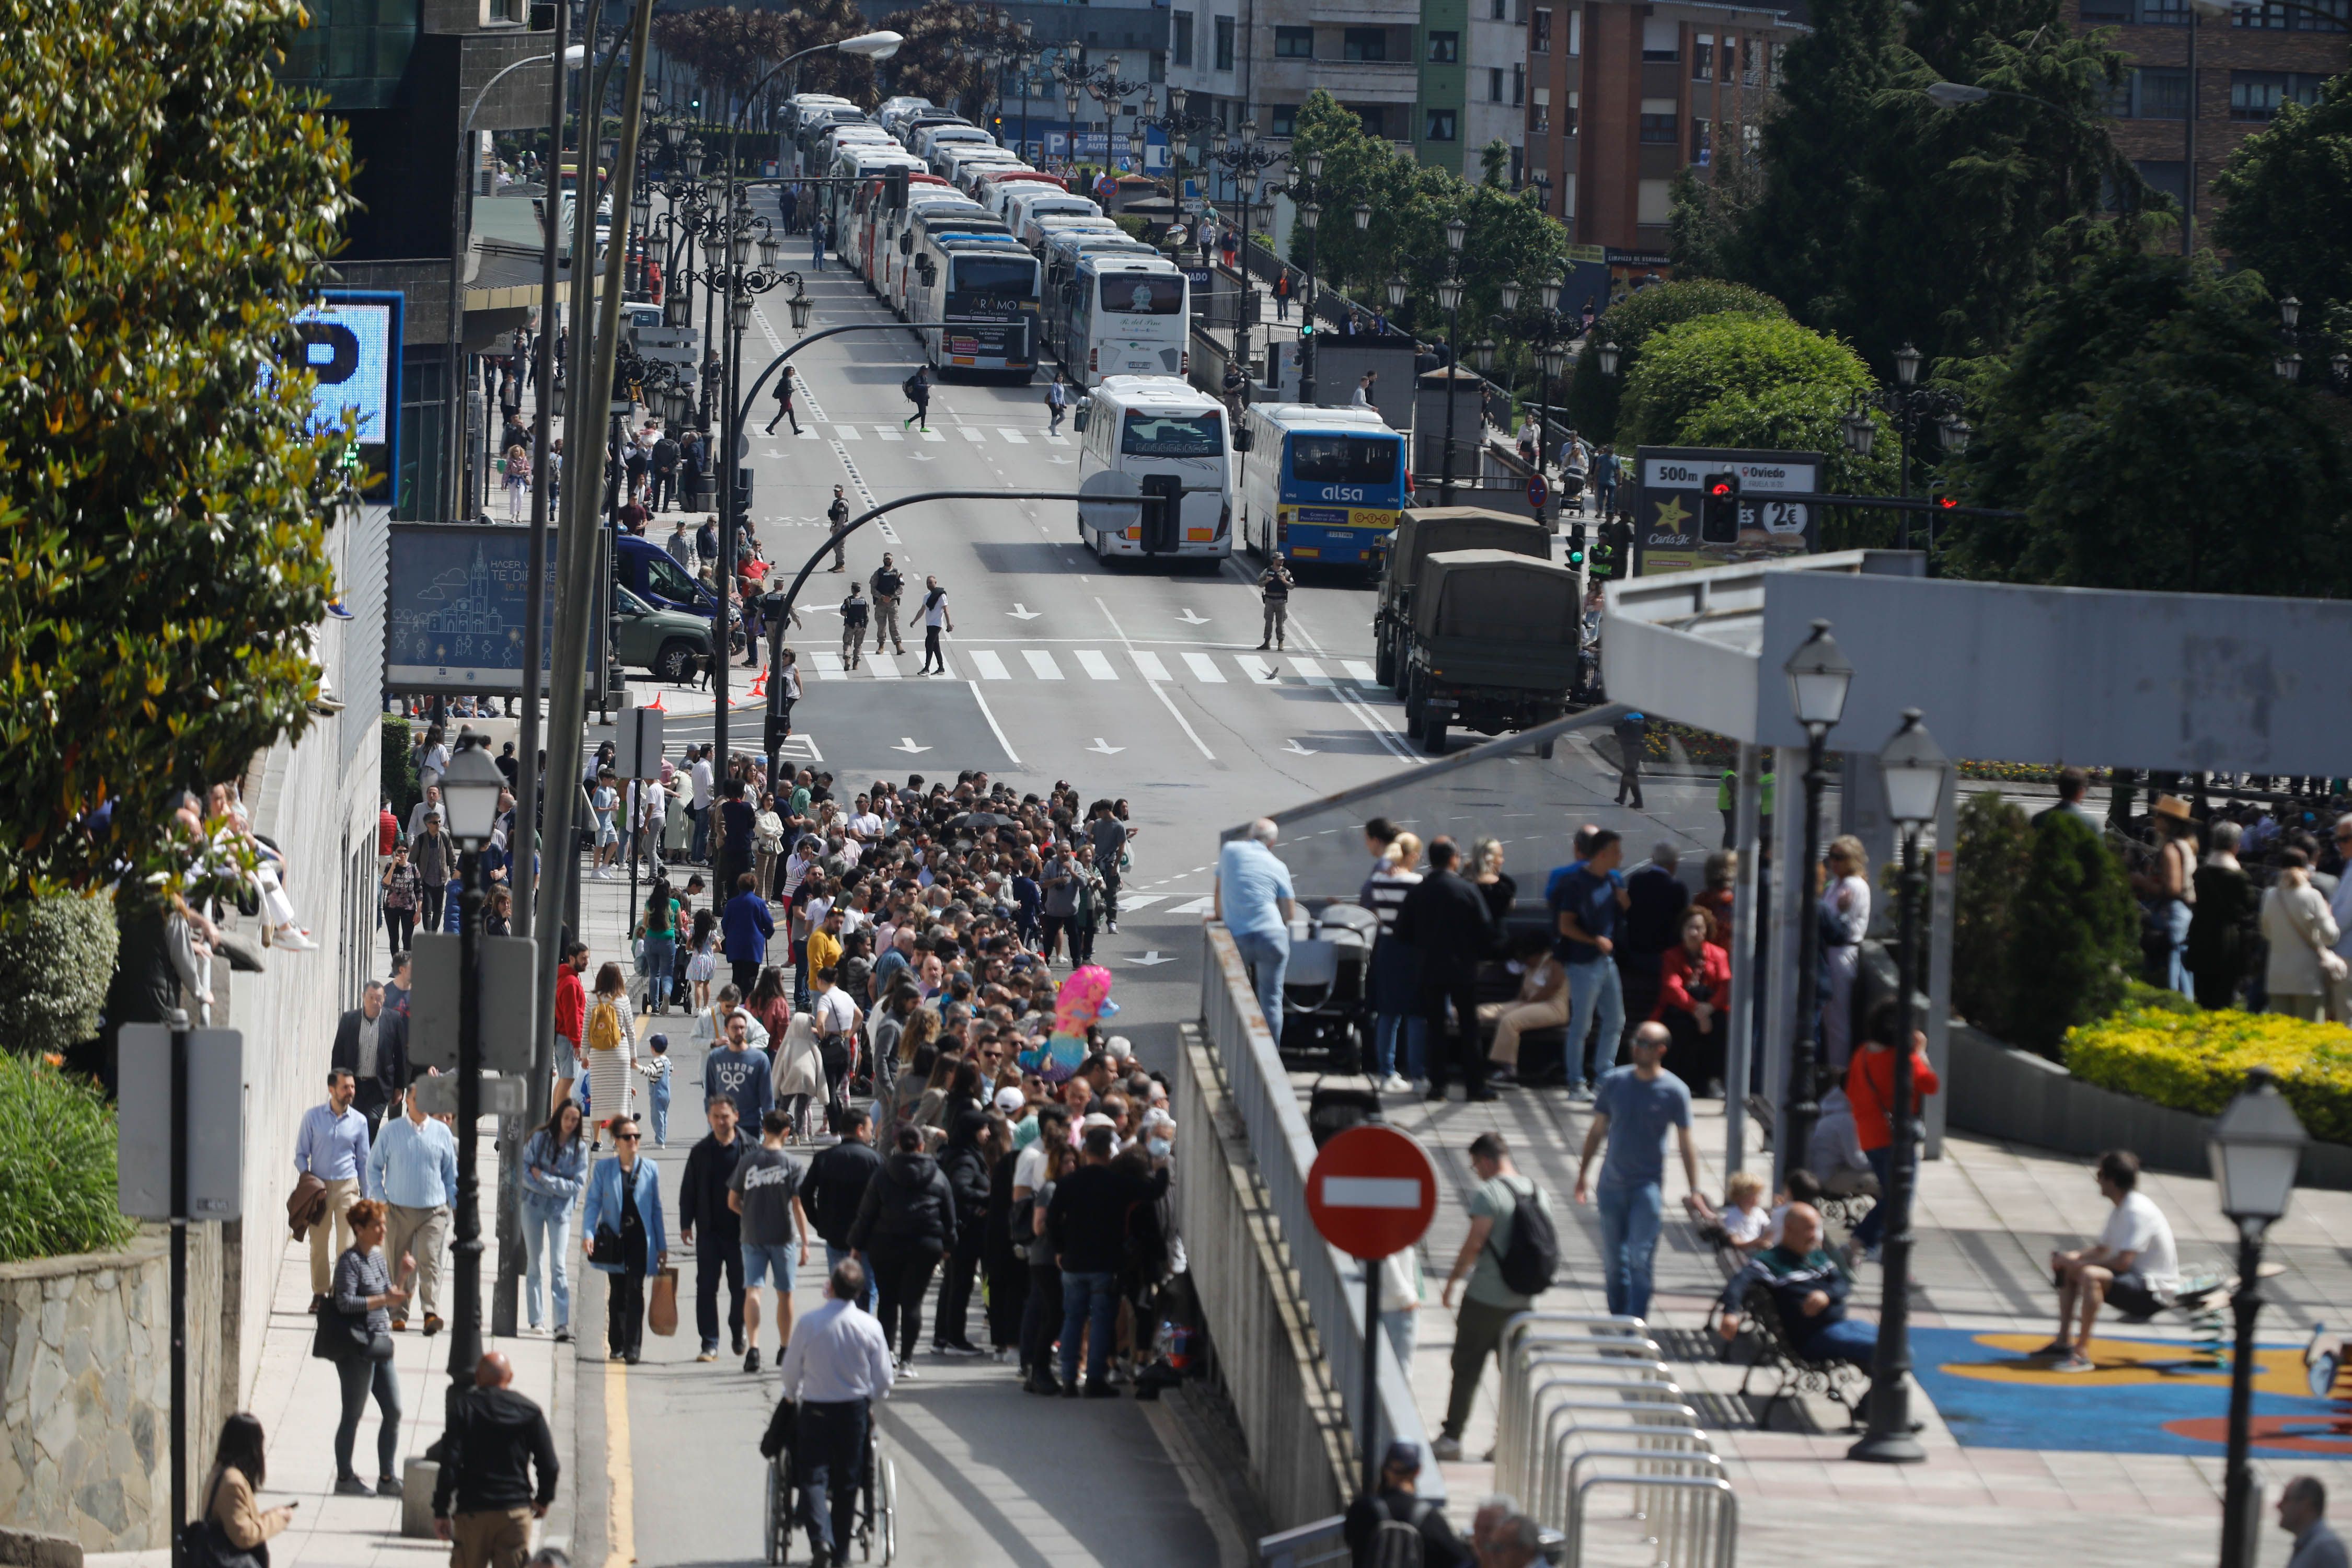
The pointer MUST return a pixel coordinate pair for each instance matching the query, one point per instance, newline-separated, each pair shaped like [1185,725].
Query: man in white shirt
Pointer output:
[837,1364]
[698,805]
[2135,1264]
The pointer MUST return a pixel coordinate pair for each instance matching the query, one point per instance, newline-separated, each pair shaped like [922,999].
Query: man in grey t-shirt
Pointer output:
[1632,1108]
[1488,1302]
[766,1191]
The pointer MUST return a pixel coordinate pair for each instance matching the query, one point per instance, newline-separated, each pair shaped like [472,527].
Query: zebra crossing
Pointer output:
[1116,664]
[977,434]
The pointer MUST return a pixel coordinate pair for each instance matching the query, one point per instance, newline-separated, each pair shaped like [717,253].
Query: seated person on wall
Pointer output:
[1541,1004]
[1694,999]
[1809,1288]
[2134,1266]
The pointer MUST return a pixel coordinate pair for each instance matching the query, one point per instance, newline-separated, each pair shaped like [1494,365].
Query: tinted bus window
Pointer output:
[1344,459]
[1127,294]
[1015,276]
[1172,436]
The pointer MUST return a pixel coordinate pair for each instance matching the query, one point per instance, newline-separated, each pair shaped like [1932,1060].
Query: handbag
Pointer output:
[206,1546]
[339,1335]
[605,1247]
[661,1303]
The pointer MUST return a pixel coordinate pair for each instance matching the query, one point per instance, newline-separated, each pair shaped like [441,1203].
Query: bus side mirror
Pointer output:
[907,244]
[1078,419]
[1242,440]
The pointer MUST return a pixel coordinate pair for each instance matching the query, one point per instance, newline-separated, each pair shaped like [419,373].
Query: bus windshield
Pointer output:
[1172,436]
[1011,276]
[1142,294]
[1344,459]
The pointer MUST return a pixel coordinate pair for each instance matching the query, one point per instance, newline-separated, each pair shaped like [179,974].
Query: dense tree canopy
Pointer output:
[2288,196]
[931,63]
[731,48]
[1591,396]
[162,495]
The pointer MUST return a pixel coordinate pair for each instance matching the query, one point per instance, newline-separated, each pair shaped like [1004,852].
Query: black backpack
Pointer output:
[1532,1258]
[912,388]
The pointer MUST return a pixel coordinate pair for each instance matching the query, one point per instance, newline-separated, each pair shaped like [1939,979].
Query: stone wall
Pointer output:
[85,1389]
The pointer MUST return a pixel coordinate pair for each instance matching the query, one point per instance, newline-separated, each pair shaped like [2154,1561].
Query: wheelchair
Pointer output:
[877,1521]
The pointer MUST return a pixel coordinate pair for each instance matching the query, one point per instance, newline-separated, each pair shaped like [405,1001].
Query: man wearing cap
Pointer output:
[1633,732]
[1396,1498]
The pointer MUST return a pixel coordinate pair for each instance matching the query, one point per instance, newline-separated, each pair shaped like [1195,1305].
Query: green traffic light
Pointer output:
[1307,329]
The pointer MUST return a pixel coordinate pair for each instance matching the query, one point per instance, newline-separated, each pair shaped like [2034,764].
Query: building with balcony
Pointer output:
[1473,85]
[1244,60]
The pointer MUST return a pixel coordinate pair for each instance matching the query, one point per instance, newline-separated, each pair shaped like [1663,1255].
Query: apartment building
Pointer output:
[1473,85]
[1623,97]
[2244,71]
[1242,59]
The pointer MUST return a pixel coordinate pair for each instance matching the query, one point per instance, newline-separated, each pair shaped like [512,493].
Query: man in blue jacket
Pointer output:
[748,926]
[1809,1290]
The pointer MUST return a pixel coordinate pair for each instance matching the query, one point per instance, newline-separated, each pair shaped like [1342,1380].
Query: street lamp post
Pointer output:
[469,794]
[1915,770]
[1819,678]
[2254,1148]
[1910,405]
[1245,162]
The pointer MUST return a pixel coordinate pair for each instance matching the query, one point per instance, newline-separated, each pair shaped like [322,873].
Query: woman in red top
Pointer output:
[1870,1089]
[1694,1001]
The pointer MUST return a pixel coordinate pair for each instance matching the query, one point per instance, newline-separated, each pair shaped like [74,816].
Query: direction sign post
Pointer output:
[1372,1192]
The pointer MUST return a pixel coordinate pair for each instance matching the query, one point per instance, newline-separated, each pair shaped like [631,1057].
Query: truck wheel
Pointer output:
[1432,733]
[1384,663]
[674,664]
[1544,751]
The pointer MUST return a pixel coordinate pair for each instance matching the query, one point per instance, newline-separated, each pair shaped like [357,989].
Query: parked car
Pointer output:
[669,644]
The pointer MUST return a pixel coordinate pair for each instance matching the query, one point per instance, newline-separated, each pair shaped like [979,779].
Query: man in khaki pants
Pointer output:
[332,1145]
[484,1503]
[415,1170]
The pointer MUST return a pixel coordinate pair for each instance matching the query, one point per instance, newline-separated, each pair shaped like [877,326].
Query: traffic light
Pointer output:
[1718,509]
[1576,545]
[1307,326]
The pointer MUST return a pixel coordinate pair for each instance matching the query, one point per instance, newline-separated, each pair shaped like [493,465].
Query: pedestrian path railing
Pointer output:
[1587,1403]
[1331,1286]
[1321,1545]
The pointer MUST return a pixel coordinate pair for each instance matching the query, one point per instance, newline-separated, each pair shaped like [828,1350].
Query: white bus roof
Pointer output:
[1121,261]
[1332,417]
[1130,390]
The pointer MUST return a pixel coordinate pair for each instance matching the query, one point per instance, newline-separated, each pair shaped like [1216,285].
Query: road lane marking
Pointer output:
[1360,671]
[1310,671]
[1148,663]
[991,668]
[1041,663]
[989,714]
[1158,689]
[1014,436]
[1205,668]
[828,665]
[847,433]
[934,435]
[1257,669]
[1388,738]
[620,1497]
[885,666]
[970,434]
[886,434]
[1192,906]
[1095,665]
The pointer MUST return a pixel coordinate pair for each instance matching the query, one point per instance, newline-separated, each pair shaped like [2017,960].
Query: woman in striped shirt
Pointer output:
[1394,979]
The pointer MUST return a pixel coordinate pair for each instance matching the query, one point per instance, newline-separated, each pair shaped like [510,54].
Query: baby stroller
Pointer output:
[1325,1016]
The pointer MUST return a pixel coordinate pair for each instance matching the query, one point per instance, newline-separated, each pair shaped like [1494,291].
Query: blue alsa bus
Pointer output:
[1320,485]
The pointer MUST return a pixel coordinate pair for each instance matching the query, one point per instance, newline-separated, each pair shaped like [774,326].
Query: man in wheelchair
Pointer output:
[836,1367]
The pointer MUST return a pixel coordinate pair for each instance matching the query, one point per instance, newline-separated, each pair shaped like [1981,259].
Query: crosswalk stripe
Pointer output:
[828,665]
[1148,662]
[885,667]
[1041,663]
[1361,672]
[806,435]
[991,668]
[1127,906]
[972,436]
[935,436]
[1205,668]
[1192,906]
[1310,671]
[1257,669]
[847,433]
[1094,664]
[890,435]
[1057,440]
[1014,436]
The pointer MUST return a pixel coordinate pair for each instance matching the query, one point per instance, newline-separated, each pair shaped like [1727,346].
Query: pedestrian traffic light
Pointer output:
[1718,509]
[1576,545]
[1307,325]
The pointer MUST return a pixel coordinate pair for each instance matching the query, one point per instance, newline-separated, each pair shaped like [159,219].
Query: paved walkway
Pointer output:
[1989,1214]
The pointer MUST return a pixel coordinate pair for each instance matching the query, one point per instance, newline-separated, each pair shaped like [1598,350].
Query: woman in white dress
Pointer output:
[799,1073]
[1845,921]
[612,1042]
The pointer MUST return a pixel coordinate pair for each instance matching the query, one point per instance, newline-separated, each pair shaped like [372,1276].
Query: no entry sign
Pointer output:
[1371,1191]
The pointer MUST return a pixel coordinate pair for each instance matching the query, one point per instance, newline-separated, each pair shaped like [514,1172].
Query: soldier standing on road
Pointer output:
[1274,586]
[853,627]
[837,514]
[886,583]
[936,620]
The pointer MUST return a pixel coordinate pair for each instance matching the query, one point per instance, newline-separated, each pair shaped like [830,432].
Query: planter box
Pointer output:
[2001,1092]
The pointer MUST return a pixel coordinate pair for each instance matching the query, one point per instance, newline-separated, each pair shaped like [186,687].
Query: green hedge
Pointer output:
[56,1164]
[397,774]
[57,958]
[2160,1047]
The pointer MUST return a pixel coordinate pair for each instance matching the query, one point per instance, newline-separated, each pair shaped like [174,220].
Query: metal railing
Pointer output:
[1331,1286]
[1698,1525]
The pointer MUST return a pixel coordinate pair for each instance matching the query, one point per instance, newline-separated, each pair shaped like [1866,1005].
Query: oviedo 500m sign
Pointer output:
[1675,531]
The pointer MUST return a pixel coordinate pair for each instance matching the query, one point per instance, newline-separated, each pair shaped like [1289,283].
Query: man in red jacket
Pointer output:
[571,1017]
[1870,1089]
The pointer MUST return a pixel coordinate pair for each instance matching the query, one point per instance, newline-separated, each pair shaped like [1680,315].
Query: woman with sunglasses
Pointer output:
[624,1214]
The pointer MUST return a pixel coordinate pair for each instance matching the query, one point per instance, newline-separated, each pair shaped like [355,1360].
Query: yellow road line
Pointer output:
[620,1508]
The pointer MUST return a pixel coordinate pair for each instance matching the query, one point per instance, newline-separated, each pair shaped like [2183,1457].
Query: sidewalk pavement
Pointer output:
[1989,1214]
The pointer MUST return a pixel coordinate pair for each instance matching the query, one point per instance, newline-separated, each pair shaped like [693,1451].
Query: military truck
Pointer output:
[1492,646]
[1421,532]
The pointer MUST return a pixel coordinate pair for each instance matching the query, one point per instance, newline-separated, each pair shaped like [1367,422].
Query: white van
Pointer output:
[1144,424]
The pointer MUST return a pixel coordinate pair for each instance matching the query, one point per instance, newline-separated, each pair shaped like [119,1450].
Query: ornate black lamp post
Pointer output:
[1818,678]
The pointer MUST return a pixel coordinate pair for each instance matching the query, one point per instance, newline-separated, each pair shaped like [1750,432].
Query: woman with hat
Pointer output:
[2169,892]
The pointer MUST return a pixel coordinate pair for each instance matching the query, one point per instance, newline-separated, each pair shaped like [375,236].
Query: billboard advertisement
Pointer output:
[351,342]
[1667,533]
[454,600]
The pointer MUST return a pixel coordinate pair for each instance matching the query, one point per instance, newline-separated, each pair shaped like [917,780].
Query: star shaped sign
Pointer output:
[1671,514]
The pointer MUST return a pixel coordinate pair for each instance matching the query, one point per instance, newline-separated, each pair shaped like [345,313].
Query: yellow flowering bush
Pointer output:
[2195,1061]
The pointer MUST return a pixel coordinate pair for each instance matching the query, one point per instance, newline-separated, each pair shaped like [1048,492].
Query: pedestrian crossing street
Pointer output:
[977,436]
[1089,664]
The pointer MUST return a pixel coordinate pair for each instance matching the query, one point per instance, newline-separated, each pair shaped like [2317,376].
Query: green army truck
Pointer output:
[1422,531]
[1492,646]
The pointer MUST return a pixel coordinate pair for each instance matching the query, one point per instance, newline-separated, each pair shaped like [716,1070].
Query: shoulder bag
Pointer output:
[206,1546]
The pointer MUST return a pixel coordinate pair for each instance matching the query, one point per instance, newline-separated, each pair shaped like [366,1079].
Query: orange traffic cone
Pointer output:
[760,684]
[657,704]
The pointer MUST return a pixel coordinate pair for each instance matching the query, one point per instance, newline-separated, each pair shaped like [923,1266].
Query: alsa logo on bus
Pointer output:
[1341,492]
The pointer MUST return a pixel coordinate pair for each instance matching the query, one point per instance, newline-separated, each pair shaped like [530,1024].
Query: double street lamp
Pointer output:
[1545,328]
[1911,407]
[1449,299]
[1818,678]
[1245,160]
[469,803]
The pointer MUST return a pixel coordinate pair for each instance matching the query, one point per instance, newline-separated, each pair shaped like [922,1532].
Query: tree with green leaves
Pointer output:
[2074,934]
[165,492]
[2287,192]
[1592,398]
[2140,425]
[1995,846]
[931,62]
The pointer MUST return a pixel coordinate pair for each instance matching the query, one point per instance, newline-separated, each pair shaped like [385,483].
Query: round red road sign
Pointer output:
[1372,1191]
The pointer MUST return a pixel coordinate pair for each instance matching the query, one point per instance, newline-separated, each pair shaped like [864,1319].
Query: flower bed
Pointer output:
[2173,1055]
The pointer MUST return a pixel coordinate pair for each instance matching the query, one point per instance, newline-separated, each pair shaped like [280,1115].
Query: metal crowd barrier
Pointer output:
[1530,1333]
[1696,1527]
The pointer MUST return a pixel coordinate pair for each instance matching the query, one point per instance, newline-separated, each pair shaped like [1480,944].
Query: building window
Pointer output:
[1662,40]
[1703,58]
[1651,202]
[1445,48]
[1576,32]
[1519,84]
[1567,196]
[2337,13]
[1494,84]
[1658,120]
[1541,125]
[1539,34]
[1568,124]
[1440,126]
[1294,43]
[1702,143]
[2150,93]
[1372,117]
[2257,95]
[2164,13]
[1183,37]
[1747,62]
[1364,44]
[2095,12]
[1284,118]
[1225,43]
[1499,11]
[2166,176]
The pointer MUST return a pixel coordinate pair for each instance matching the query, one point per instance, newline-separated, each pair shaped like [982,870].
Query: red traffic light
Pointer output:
[1945,503]
[1721,489]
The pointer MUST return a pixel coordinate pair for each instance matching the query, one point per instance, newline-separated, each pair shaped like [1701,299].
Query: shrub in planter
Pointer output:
[1995,845]
[2190,1060]
[57,958]
[57,1164]
[398,770]
[2074,934]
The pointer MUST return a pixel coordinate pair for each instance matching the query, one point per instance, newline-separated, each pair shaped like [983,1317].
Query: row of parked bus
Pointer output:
[1014,270]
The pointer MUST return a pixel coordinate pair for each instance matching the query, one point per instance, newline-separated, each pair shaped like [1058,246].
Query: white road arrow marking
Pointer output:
[1153,957]
[1190,620]
[1021,612]
[1062,461]
[921,457]
[1105,747]
[906,744]
[1293,746]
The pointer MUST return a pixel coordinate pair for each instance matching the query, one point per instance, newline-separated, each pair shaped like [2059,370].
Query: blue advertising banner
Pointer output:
[453,601]
[351,342]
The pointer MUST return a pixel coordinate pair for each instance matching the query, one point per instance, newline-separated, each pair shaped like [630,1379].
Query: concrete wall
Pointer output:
[86,1390]
[1264,1356]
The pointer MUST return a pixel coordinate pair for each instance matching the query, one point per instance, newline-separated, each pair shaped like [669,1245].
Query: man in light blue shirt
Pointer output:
[415,1168]
[1253,897]
[837,1364]
[332,1145]
[1633,1111]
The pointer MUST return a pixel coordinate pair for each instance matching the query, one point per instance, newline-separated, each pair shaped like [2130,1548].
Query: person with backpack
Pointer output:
[1057,402]
[918,388]
[1396,1508]
[836,518]
[785,403]
[1632,1106]
[855,610]
[1509,1258]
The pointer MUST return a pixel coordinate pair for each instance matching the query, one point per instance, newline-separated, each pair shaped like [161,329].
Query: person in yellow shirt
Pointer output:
[824,942]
